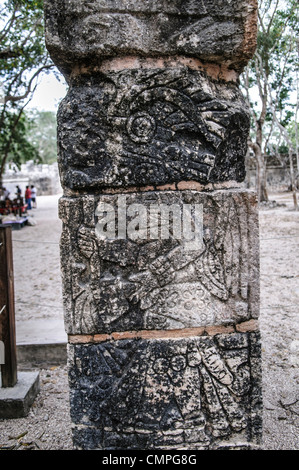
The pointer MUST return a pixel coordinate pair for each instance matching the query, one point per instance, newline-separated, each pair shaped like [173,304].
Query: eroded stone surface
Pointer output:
[151,127]
[197,393]
[154,102]
[142,282]
[212,30]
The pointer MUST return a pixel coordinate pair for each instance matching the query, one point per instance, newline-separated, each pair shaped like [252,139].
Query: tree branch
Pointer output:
[28,89]
[9,24]
[10,54]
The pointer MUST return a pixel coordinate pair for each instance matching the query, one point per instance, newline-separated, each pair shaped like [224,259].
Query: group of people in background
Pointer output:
[27,203]
[30,197]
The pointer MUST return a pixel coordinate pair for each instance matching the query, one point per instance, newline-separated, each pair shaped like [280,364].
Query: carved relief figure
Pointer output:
[157,283]
[178,391]
[151,127]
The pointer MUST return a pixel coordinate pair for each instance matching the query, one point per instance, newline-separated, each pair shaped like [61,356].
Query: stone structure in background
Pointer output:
[277,172]
[164,345]
[43,176]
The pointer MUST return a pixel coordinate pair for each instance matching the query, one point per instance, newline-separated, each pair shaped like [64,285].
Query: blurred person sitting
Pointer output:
[4,193]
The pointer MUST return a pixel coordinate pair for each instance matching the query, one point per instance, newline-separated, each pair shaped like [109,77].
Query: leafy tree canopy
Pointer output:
[21,148]
[270,83]
[42,134]
[23,57]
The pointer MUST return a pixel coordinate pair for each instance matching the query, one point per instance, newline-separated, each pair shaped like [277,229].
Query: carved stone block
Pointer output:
[159,249]
[212,30]
[196,393]
[151,127]
[146,274]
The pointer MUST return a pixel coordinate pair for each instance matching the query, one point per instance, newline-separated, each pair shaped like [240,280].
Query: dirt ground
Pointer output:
[38,300]
[38,294]
[279,253]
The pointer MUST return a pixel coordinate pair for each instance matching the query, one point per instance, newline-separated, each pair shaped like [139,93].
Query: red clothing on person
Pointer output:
[28,193]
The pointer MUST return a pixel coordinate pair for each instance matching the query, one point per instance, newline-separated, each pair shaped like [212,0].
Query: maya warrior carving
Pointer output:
[151,127]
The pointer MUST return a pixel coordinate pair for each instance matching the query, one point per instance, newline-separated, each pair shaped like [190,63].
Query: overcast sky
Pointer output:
[48,93]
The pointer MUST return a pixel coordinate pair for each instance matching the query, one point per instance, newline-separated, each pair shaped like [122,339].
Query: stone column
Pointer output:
[159,249]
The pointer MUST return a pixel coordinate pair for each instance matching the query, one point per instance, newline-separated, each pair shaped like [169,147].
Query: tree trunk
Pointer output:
[261,176]
[2,166]
[261,186]
[293,180]
[4,157]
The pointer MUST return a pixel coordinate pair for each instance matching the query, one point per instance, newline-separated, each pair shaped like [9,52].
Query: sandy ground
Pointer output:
[38,294]
[279,248]
[39,318]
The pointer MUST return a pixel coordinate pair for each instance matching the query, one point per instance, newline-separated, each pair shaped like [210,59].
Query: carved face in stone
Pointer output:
[143,127]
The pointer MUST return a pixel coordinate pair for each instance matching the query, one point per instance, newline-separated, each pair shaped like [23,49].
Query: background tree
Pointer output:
[15,143]
[270,82]
[43,135]
[23,58]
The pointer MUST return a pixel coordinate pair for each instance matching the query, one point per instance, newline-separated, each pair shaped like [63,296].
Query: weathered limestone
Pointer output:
[154,126]
[197,392]
[159,249]
[146,282]
[216,31]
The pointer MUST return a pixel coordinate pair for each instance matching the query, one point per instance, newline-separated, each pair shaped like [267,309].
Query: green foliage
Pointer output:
[271,75]
[23,57]
[270,84]
[14,140]
[22,45]
[292,132]
[43,136]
